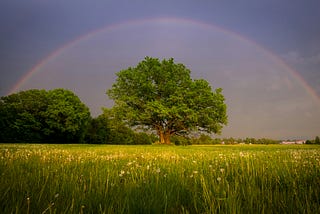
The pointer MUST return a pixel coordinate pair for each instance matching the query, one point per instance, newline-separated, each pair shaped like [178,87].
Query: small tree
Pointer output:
[163,97]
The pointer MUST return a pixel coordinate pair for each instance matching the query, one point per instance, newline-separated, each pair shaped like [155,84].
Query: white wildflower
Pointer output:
[122,172]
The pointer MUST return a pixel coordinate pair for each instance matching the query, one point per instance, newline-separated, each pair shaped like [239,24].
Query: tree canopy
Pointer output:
[162,96]
[38,115]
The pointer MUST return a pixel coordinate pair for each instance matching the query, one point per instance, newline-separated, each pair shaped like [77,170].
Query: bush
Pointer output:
[180,140]
[142,138]
[98,131]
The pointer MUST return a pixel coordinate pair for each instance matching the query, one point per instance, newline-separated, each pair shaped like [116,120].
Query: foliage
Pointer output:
[207,140]
[181,140]
[121,134]
[203,139]
[259,141]
[98,131]
[37,115]
[317,140]
[22,114]
[146,179]
[163,97]
[141,138]
[107,128]
[309,142]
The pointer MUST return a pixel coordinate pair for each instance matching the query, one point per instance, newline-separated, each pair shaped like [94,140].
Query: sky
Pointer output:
[265,55]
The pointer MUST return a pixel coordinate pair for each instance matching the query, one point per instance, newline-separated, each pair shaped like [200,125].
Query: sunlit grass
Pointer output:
[157,179]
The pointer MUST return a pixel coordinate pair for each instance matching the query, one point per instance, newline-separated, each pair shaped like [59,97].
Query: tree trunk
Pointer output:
[161,136]
[164,137]
[167,138]
[164,134]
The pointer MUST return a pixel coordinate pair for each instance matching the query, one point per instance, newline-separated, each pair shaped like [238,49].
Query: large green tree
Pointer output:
[66,116]
[162,96]
[41,116]
[22,116]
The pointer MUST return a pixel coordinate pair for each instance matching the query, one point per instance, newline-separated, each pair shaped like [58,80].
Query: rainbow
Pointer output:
[112,27]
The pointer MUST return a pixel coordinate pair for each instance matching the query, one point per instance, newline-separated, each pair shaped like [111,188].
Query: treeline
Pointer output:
[59,116]
[315,141]
[204,139]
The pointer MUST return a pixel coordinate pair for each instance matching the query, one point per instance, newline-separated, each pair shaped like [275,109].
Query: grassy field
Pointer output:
[159,179]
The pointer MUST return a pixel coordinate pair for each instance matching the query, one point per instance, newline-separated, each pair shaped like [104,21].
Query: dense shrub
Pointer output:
[98,131]
[180,140]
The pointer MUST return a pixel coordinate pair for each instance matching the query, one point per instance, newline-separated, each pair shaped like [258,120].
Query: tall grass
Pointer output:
[156,179]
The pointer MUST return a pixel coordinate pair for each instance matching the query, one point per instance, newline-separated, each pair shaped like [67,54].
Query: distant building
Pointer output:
[293,142]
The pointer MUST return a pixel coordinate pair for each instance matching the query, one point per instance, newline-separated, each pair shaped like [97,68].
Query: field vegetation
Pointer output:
[39,178]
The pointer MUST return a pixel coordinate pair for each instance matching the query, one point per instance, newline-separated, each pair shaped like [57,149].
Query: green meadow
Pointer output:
[38,178]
